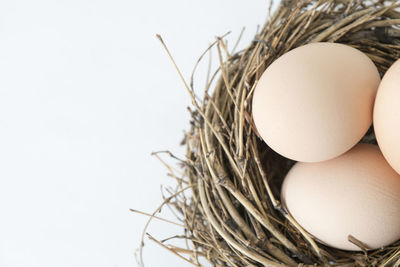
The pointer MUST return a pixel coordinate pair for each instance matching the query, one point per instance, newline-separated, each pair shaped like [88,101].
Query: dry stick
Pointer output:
[391,259]
[240,86]
[364,247]
[271,33]
[172,237]
[301,30]
[275,203]
[195,241]
[259,184]
[393,14]
[170,169]
[246,157]
[278,253]
[245,261]
[169,204]
[200,58]
[186,251]
[277,206]
[193,97]
[227,237]
[241,123]
[224,47]
[279,236]
[152,216]
[220,116]
[224,74]
[202,175]
[222,254]
[232,210]
[253,211]
[219,138]
[286,27]
[219,249]
[221,213]
[383,23]
[305,235]
[240,91]
[179,181]
[156,217]
[250,184]
[271,3]
[208,86]
[354,24]
[313,32]
[276,17]
[225,109]
[328,32]
[229,85]
[171,250]
[349,5]
[255,196]
[222,194]
[183,210]
[257,68]
[272,209]
[213,102]
[217,94]
[236,235]
[195,197]
[209,67]
[246,174]
[251,91]
[204,244]
[237,41]
[240,139]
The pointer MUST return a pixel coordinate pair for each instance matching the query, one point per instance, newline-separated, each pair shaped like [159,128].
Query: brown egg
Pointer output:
[315,102]
[356,194]
[387,116]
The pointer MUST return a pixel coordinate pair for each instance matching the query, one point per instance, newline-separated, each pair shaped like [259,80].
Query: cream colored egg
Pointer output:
[356,194]
[315,102]
[387,116]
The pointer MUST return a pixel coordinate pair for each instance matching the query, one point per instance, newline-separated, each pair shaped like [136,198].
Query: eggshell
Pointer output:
[356,194]
[387,116]
[315,102]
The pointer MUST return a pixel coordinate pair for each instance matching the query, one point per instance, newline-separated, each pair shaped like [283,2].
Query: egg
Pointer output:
[315,102]
[387,116]
[356,194]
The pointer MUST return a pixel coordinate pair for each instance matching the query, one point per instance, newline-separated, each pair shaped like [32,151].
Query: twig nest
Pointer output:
[233,216]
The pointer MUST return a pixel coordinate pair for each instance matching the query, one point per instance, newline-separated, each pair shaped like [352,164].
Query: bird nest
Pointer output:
[232,215]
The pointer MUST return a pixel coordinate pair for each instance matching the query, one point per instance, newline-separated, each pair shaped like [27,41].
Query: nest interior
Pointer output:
[233,216]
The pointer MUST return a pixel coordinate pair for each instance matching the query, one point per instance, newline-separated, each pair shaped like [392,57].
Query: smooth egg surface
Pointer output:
[387,116]
[356,194]
[315,102]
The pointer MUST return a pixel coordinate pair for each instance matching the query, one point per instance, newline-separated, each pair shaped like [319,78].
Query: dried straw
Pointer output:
[233,216]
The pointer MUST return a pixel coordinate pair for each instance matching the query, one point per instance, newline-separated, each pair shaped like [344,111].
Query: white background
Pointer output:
[86,94]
